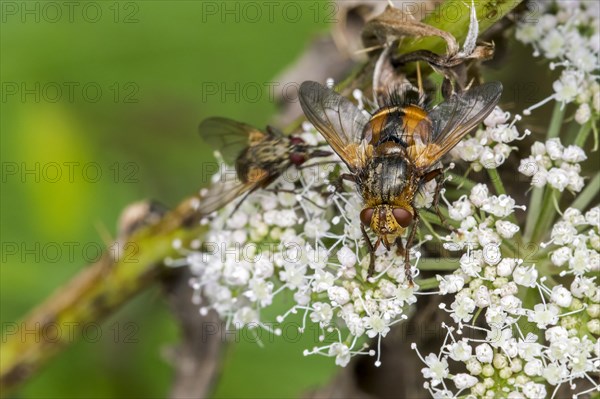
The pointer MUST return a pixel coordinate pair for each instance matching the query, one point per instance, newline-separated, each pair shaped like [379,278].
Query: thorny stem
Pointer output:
[100,289]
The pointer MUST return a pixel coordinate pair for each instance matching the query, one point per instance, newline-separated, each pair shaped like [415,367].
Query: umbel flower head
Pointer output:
[524,322]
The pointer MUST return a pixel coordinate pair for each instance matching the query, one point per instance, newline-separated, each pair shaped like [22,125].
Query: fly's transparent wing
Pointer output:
[229,137]
[338,120]
[453,119]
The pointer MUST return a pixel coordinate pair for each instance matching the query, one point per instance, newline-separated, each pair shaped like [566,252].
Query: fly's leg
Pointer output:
[338,183]
[371,251]
[399,247]
[409,244]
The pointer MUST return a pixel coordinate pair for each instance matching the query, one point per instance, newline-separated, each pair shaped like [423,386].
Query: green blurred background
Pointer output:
[156,64]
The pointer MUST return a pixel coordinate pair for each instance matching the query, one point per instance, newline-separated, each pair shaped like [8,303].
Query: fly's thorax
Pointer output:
[383,179]
[269,156]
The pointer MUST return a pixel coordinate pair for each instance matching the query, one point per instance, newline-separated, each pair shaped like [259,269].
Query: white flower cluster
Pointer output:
[578,241]
[568,33]
[299,238]
[533,317]
[489,148]
[555,165]
[525,344]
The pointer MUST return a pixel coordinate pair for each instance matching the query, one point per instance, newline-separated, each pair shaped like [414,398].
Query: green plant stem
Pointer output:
[540,195]
[558,115]
[587,195]
[427,283]
[533,212]
[439,264]
[461,181]
[96,292]
[583,134]
[546,216]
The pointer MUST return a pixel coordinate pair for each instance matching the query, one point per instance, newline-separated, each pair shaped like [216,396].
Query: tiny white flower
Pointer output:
[561,296]
[554,149]
[532,390]
[567,87]
[482,297]
[499,206]
[479,194]
[544,315]
[471,263]
[525,276]
[376,325]
[558,178]
[583,114]
[341,353]
[511,303]
[496,117]
[245,316]
[346,256]
[436,370]
[506,229]
[322,313]
[554,373]
[533,367]
[323,280]
[561,256]
[339,295]
[316,228]
[460,351]
[553,44]
[263,268]
[484,353]
[464,381]
[573,216]
[506,267]
[592,217]
[450,284]
[460,209]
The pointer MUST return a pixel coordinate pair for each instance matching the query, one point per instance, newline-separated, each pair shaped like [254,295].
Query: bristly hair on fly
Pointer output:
[401,96]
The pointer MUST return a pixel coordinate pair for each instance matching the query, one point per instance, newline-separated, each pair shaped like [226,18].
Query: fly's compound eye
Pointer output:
[296,141]
[366,215]
[297,158]
[402,216]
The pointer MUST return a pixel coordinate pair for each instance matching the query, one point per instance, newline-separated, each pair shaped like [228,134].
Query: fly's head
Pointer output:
[300,152]
[387,222]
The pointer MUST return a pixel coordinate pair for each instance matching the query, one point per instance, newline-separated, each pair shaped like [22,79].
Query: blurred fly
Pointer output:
[395,151]
[259,158]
